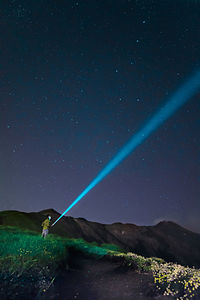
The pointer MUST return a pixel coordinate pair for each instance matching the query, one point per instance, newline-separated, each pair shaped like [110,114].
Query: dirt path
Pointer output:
[89,279]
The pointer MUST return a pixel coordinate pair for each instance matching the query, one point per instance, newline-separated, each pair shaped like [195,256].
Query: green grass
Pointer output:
[22,249]
[25,254]
[29,261]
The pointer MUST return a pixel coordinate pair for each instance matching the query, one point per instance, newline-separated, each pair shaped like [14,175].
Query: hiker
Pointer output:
[45,225]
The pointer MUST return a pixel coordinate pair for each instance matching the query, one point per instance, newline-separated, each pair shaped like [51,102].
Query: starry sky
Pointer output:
[77,80]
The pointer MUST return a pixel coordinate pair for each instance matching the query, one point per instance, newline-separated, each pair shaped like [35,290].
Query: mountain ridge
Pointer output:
[166,240]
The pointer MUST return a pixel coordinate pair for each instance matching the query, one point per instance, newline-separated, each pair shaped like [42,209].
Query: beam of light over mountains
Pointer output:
[179,98]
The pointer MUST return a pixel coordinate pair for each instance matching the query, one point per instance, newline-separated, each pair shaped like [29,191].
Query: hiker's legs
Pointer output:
[45,232]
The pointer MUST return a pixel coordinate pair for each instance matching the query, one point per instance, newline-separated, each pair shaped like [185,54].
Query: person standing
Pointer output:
[45,226]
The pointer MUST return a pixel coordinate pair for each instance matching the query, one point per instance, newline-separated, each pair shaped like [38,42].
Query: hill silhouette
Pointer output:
[166,240]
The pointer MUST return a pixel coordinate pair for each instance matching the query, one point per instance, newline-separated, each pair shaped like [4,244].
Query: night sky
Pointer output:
[77,80]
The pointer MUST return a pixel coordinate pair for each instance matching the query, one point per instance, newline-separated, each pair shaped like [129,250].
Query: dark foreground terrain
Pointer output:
[85,278]
[96,261]
[89,279]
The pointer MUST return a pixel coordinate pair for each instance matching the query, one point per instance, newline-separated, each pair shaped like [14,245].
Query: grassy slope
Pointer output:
[19,219]
[25,257]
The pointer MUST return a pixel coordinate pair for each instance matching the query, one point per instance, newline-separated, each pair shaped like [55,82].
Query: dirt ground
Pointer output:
[89,279]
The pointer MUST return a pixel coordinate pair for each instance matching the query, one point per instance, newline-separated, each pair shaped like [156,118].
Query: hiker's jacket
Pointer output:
[45,224]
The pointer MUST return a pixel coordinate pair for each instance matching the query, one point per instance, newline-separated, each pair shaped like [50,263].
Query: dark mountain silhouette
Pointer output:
[165,240]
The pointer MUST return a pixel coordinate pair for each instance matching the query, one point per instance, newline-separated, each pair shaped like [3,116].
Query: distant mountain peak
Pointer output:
[49,211]
[165,222]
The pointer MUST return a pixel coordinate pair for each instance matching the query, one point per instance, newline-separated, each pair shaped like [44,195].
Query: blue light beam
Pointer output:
[179,98]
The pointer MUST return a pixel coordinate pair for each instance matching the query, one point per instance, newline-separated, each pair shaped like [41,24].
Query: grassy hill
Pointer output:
[166,240]
[29,265]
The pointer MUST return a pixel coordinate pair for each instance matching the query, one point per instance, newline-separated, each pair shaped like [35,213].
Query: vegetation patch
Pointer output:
[170,278]
[176,280]
[31,262]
